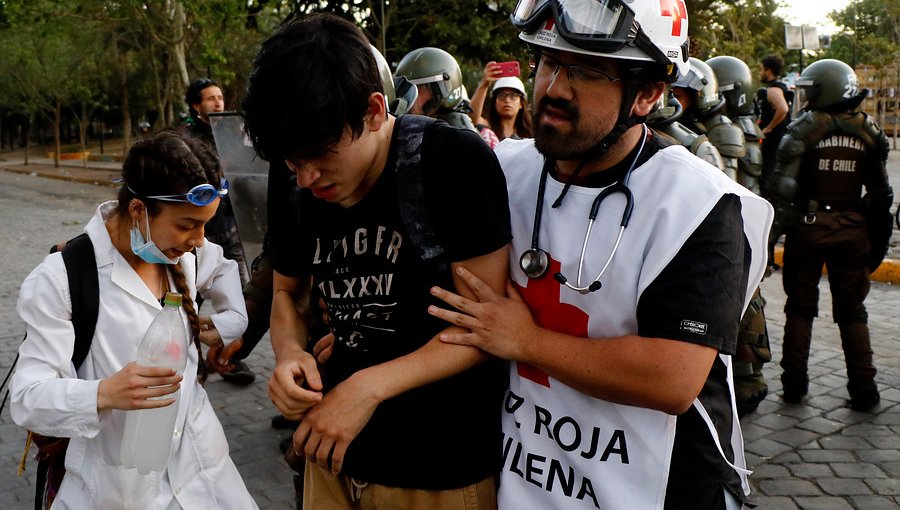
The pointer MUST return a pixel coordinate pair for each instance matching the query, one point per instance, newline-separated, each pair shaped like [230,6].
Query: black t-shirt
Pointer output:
[714,260]
[446,434]
[768,113]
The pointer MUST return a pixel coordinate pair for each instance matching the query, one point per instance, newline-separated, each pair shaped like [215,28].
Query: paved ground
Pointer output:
[818,455]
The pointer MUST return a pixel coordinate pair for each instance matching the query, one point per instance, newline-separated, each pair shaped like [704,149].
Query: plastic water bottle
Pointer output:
[148,432]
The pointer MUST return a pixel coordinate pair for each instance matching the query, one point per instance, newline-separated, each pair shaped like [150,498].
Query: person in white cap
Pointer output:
[507,114]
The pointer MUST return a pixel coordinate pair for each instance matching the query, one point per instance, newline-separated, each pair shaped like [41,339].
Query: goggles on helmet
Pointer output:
[601,26]
[200,195]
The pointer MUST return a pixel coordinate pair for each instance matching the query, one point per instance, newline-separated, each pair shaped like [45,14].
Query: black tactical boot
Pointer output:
[795,386]
[863,395]
[797,339]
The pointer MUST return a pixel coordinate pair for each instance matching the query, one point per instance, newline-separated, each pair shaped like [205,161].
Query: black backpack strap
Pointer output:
[411,191]
[84,289]
[40,484]
[5,380]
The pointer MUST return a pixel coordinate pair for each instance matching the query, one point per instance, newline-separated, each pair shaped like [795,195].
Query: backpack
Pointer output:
[84,289]
[411,193]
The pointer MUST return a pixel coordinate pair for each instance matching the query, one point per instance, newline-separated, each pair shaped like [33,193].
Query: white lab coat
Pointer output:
[48,397]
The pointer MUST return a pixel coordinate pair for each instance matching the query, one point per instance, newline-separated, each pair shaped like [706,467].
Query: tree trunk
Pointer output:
[178,49]
[126,118]
[83,120]
[57,120]
[122,65]
[28,135]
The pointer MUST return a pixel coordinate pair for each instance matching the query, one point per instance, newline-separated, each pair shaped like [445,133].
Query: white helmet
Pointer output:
[641,30]
[509,82]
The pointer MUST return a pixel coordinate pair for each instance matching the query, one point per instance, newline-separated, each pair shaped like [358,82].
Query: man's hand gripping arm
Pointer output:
[656,373]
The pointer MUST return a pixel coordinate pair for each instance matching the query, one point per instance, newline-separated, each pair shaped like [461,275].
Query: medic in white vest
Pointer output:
[632,264]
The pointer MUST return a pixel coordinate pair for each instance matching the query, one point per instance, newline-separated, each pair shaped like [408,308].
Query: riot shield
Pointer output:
[247,177]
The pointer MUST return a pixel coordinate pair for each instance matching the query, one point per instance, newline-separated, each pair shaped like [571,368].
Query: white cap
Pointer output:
[509,82]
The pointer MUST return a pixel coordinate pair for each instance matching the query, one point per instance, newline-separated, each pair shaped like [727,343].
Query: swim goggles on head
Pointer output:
[200,195]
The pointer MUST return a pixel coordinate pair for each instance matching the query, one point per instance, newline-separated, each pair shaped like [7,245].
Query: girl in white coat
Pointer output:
[147,242]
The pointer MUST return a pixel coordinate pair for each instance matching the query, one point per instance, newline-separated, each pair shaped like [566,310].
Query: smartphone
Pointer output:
[509,68]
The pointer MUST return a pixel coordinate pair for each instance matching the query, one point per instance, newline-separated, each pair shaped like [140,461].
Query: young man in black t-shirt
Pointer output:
[388,208]
[775,114]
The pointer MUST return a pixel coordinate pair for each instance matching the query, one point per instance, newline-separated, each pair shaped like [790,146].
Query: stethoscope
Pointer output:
[535,262]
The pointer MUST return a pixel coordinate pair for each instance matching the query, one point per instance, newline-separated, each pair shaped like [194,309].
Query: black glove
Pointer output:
[874,263]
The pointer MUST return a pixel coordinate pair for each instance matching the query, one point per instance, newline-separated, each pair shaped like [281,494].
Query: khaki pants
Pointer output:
[323,490]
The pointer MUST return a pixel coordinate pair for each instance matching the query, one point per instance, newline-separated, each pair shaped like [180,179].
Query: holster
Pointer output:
[753,336]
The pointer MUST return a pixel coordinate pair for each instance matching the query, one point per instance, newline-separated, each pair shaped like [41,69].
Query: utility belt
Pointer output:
[815,207]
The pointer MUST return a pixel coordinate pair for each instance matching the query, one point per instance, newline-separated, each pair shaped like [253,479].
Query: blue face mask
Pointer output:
[147,251]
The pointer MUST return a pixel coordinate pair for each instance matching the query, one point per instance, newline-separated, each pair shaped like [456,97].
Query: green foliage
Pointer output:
[746,29]
[133,57]
[870,33]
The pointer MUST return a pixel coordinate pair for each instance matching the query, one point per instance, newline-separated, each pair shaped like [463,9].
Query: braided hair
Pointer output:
[169,163]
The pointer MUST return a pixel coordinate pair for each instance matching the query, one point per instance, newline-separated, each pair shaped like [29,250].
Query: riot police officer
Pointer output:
[698,93]
[664,121]
[824,160]
[735,86]
[440,86]
[705,106]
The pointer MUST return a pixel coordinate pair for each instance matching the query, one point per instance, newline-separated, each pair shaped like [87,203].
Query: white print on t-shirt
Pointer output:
[375,285]
[695,327]
[359,301]
[360,245]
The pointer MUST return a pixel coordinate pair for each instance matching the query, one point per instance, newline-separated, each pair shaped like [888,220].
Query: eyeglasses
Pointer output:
[507,96]
[200,195]
[550,66]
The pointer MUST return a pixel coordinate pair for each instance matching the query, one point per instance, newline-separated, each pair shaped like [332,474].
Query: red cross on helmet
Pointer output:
[643,30]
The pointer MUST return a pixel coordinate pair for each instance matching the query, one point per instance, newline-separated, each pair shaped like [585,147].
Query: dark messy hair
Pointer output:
[169,163]
[310,83]
[194,94]
[774,63]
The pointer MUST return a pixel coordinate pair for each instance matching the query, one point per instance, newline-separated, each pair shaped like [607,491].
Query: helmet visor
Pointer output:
[805,90]
[599,25]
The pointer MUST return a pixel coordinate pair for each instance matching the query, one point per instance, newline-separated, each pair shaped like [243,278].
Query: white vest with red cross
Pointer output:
[561,447]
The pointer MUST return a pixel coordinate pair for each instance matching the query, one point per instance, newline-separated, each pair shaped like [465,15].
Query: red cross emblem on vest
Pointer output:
[676,10]
[542,296]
